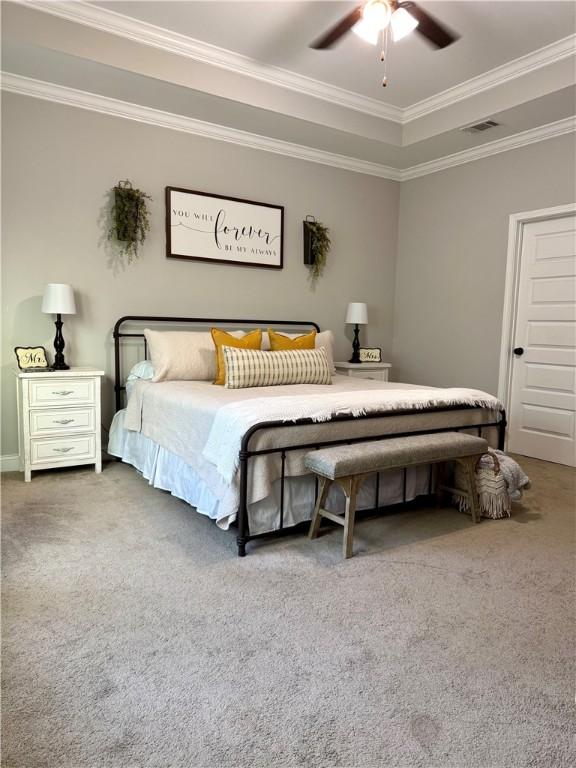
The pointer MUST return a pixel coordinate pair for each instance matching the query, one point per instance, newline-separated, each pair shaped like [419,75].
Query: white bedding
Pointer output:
[186,419]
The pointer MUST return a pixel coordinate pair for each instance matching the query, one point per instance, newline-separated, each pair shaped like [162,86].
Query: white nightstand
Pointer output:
[377,371]
[59,419]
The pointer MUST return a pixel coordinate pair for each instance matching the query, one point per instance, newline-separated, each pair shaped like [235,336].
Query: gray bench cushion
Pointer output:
[360,458]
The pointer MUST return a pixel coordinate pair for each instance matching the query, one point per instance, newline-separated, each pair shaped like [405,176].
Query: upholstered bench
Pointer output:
[350,465]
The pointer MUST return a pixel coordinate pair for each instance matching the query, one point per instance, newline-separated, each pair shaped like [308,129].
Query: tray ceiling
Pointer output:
[278,33]
[242,72]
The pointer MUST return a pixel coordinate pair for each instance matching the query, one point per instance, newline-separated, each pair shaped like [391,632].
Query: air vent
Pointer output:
[485,125]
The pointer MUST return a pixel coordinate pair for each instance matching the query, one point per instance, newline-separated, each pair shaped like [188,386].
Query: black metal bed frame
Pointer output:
[246,453]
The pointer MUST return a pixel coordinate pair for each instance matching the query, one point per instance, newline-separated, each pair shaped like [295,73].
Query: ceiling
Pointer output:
[277,32]
[243,71]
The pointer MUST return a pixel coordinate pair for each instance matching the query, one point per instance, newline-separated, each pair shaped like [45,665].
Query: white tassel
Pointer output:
[492,490]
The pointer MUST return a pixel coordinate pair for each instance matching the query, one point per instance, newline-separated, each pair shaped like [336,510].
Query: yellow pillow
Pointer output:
[279,341]
[252,340]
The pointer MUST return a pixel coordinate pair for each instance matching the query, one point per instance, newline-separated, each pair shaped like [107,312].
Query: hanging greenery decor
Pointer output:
[130,219]
[316,246]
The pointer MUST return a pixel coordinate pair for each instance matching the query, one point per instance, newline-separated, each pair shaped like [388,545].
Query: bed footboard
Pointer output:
[246,454]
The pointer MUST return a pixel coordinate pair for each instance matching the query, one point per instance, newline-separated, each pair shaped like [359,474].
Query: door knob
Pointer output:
[519,351]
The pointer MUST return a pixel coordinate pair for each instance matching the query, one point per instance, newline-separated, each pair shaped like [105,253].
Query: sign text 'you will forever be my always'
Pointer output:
[223,229]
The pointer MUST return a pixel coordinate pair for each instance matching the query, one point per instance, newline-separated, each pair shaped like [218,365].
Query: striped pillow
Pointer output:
[255,368]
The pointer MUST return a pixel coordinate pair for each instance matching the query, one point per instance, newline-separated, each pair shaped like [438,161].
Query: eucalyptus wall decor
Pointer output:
[316,246]
[130,221]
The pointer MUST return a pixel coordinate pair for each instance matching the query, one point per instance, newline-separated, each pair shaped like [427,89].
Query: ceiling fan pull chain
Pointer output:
[384,55]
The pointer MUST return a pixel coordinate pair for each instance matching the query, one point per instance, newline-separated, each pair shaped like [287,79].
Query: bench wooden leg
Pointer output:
[469,464]
[350,489]
[325,484]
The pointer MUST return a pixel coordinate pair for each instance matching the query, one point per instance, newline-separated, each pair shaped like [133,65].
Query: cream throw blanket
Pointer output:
[232,421]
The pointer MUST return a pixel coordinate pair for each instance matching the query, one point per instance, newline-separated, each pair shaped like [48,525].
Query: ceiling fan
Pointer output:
[374,18]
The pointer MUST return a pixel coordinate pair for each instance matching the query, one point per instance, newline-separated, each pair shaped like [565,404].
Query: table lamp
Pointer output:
[59,300]
[356,314]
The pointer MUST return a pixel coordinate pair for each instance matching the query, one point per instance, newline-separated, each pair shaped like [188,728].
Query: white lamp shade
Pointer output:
[365,31]
[58,299]
[402,24]
[357,313]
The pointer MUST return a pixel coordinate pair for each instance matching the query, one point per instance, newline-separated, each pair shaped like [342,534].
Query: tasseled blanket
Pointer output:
[499,481]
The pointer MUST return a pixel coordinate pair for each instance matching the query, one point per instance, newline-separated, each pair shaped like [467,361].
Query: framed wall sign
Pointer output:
[31,358]
[226,230]
[370,355]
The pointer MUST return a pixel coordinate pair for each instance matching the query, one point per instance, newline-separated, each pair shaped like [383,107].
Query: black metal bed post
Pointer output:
[117,373]
[243,525]
[502,424]
[243,505]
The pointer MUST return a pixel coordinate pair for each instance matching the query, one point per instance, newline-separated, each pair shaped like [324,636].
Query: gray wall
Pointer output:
[453,239]
[59,163]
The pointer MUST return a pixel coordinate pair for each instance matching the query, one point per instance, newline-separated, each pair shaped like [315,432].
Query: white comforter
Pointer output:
[204,424]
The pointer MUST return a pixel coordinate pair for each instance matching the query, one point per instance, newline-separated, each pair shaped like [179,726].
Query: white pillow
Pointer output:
[183,355]
[142,370]
[323,339]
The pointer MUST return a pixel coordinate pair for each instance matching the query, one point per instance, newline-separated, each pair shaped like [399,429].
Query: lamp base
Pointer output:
[355,346]
[59,362]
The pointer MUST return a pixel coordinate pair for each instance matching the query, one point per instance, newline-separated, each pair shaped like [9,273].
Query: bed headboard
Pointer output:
[135,324]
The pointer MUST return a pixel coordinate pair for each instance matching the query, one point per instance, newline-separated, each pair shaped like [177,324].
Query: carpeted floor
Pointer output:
[134,637]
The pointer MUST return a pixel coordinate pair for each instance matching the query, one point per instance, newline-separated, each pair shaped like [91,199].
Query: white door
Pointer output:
[543,392]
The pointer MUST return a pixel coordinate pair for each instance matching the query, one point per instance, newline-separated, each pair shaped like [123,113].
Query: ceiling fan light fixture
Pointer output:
[402,23]
[377,13]
[366,31]
[376,16]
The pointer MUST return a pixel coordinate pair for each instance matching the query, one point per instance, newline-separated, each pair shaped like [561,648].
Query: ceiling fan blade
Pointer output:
[337,31]
[436,33]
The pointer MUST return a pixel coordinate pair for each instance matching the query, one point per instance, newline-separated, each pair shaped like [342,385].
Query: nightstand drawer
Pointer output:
[376,375]
[54,421]
[63,391]
[55,449]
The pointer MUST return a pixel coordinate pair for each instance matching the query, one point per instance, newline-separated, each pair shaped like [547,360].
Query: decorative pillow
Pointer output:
[250,368]
[222,339]
[323,339]
[183,355]
[279,341]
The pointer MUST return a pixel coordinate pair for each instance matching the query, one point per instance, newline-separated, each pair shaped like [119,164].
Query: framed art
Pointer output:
[32,359]
[225,230]
[370,355]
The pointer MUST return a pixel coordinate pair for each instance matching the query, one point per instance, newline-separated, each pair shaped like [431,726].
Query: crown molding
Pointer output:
[60,94]
[523,139]
[26,86]
[145,33]
[543,57]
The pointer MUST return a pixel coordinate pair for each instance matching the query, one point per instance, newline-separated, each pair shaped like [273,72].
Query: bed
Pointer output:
[237,455]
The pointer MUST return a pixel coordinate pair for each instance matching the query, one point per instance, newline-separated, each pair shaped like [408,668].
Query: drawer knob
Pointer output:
[62,450]
[63,392]
[63,421]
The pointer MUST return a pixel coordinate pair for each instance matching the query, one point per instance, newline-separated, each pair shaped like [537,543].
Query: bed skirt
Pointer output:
[168,472]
